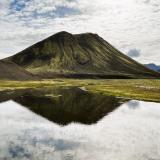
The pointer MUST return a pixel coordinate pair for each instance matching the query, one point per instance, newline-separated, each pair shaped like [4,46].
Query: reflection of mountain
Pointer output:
[64,106]
[8,95]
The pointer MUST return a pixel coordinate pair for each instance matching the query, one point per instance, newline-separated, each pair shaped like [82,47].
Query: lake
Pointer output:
[73,124]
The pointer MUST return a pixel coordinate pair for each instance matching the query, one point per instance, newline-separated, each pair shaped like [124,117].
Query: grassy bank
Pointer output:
[135,89]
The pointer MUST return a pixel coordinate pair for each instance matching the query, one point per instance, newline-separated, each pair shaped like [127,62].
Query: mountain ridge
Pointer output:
[81,55]
[153,67]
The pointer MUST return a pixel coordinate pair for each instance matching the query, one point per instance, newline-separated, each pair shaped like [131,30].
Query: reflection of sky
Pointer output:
[125,134]
[133,104]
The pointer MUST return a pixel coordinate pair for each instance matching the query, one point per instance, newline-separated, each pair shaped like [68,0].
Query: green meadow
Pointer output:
[140,89]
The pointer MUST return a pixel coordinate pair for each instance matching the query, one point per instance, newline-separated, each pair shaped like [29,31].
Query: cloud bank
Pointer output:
[127,24]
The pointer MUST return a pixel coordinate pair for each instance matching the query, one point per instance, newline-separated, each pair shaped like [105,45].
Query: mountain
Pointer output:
[79,55]
[153,67]
[11,71]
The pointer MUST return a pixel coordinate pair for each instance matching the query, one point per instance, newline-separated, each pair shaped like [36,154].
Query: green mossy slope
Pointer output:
[79,55]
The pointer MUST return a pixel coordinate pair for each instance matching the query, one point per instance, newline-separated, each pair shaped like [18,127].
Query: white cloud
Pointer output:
[127,24]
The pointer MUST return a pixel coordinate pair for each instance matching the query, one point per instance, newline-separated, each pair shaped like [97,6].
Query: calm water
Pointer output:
[72,124]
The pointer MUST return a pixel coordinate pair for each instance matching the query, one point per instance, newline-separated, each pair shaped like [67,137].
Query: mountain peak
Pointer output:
[63,33]
[63,37]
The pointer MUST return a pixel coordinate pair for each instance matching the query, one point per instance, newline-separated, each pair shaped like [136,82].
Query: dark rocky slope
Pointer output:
[11,71]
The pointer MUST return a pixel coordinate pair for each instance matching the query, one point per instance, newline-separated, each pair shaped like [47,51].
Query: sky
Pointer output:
[132,26]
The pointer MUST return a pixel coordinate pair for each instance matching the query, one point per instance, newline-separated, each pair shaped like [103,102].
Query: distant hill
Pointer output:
[11,71]
[79,55]
[153,67]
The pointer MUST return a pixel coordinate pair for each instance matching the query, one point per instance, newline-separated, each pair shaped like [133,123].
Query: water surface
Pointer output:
[69,123]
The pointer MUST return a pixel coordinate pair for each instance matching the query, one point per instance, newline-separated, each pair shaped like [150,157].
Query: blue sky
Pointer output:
[18,5]
[130,25]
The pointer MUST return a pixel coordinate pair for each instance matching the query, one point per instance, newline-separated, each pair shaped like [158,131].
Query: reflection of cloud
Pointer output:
[133,104]
[61,144]
[28,149]
[134,53]
[34,137]
[16,151]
